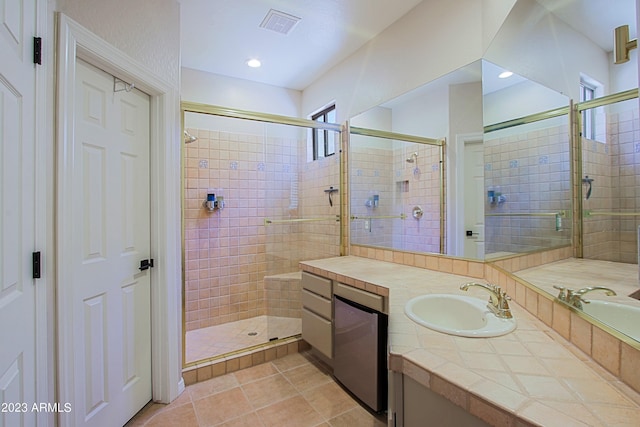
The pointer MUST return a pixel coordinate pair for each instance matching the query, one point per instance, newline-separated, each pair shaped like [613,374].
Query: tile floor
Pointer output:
[216,340]
[296,390]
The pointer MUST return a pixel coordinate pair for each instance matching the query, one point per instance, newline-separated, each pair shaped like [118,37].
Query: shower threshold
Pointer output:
[212,341]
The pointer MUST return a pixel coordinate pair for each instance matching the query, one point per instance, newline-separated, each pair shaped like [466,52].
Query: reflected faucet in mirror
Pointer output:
[574,298]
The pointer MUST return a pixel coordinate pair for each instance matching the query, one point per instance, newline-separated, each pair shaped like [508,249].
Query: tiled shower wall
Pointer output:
[372,173]
[531,169]
[418,185]
[614,167]
[400,187]
[228,252]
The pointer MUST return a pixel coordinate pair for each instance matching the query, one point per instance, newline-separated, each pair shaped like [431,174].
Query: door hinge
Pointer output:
[37,50]
[146,264]
[35,265]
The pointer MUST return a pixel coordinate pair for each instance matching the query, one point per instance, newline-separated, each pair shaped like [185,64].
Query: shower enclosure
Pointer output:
[396,185]
[527,185]
[608,179]
[255,204]
[559,187]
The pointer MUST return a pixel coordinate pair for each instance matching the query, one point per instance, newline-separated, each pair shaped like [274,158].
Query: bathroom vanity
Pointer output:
[348,326]
[529,376]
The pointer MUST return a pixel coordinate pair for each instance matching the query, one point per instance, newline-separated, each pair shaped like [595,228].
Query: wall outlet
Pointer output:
[367,225]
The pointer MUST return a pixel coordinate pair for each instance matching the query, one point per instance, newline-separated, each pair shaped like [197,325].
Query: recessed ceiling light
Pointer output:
[505,74]
[254,63]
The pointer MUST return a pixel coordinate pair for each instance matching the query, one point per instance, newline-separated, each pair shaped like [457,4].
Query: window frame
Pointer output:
[587,93]
[322,116]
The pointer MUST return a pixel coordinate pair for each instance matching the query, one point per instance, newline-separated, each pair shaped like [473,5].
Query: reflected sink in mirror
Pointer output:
[624,318]
[457,315]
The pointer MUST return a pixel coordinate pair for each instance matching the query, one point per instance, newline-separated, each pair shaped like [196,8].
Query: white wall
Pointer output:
[213,89]
[426,115]
[147,30]
[521,100]
[431,40]
[527,44]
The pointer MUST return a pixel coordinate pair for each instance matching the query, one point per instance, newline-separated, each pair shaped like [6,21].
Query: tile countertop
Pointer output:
[531,376]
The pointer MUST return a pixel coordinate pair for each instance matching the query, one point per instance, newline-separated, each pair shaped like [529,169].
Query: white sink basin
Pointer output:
[624,318]
[457,315]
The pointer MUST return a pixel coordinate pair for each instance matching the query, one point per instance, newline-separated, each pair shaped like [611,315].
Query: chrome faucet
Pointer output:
[574,298]
[498,299]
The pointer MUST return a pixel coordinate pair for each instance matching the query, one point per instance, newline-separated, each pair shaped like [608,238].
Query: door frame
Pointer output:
[455,240]
[74,41]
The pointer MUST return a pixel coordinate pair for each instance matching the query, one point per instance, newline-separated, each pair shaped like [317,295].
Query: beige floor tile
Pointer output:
[145,414]
[183,415]
[291,361]
[222,407]
[292,412]
[268,391]
[357,417]
[247,420]
[255,373]
[330,400]
[214,385]
[261,396]
[305,377]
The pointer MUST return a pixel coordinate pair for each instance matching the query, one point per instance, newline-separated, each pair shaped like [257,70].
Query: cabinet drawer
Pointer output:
[317,332]
[365,298]
[316,303]
[316,284]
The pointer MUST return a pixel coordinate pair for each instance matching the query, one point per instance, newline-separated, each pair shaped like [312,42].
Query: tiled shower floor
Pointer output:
[216,340]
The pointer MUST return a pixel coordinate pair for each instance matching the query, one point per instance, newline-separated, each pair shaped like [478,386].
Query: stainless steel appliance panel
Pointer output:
[359,336]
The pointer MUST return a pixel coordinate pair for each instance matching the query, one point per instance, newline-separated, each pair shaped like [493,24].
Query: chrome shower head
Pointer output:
[413,158]
[188,138]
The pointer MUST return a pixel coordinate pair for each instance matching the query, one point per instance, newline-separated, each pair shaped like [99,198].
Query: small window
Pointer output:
[323,140]
[587,93]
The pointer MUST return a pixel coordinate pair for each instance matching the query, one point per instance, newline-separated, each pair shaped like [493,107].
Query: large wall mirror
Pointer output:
[398,177]
[515,183]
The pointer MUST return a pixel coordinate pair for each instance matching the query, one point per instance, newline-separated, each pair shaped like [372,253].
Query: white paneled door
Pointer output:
[108,293]
[17,222]
[474,200]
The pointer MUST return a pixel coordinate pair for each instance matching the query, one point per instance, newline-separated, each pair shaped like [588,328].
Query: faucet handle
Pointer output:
[564,292]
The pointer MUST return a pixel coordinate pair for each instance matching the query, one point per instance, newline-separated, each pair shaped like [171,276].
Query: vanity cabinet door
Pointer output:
[317,312]
[317,332]
[422,406]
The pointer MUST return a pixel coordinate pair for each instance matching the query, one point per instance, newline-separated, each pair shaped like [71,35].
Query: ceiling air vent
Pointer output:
[279,22]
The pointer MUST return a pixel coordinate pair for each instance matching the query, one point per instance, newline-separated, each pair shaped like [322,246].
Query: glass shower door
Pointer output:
[610,184]
[396,194]
[253,208]
[301,219]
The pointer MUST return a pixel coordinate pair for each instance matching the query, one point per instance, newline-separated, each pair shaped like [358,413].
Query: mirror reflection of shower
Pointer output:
[188,138]
[588,181]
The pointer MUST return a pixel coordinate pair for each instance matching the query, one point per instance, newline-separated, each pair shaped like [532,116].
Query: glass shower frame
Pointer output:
[523,216]
[272,220]
[581,185]
[578,213]
[388,208]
